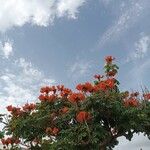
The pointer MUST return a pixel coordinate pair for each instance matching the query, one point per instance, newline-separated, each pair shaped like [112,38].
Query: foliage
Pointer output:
[91,118]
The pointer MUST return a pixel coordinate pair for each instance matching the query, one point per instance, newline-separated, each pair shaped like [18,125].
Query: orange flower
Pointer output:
[65,92]
[53,88]
[111,73]
[135,94]
[48,89]
[51,98]
[101,86]
[53,131]
[45,90]
[76,97]
[131,102]
[79,87]
[29,107]
[10,140]
[104,85]
[60,87]
[48,98]
[110,83]
[146,96]
[15,111]
[83,116]
[42,97]
[17,141]
[86,87]
[96,88]
[97,76]
[9,108]
[109,59]
[64,110]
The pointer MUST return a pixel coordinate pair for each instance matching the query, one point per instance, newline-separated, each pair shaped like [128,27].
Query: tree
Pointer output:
[91,118]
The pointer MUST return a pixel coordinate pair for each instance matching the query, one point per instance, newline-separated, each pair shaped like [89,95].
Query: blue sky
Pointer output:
[65,41]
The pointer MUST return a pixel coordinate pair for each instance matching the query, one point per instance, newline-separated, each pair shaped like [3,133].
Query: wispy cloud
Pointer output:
[16,13]
[140,63]
[127,18]
[6,49]
[142,46]
[79,69]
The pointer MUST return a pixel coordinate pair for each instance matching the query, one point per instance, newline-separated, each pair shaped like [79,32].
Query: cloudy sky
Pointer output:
[46,42]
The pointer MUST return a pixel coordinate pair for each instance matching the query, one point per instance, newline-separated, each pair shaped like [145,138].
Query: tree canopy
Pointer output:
[91,118]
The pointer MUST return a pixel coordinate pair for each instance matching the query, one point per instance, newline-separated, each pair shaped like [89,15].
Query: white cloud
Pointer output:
[31,74]
[15,13]
[79,69]
[6,49]
[14,91]
[127,18]
[69,7]
[141,48]
[138,142]
[141,63]
[27,68]
[20,82]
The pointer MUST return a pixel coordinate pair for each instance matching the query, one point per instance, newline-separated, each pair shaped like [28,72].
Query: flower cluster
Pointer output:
[109,59]
[111,69]
[65,92]
[15,111]
[98,76]
[86,87]
[80,118]
[48,98]
[48,93]
[100,86]
[10,140]
[134,94]
[64,110]
[83,116]
[131,102]
[48,89]
[105,84]
[29,107]
[52,131]
[112,73]
[131,99]
[51,93]
[76,97]
[146,96]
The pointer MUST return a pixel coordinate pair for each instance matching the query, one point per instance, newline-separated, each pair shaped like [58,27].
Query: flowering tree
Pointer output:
[91,118]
